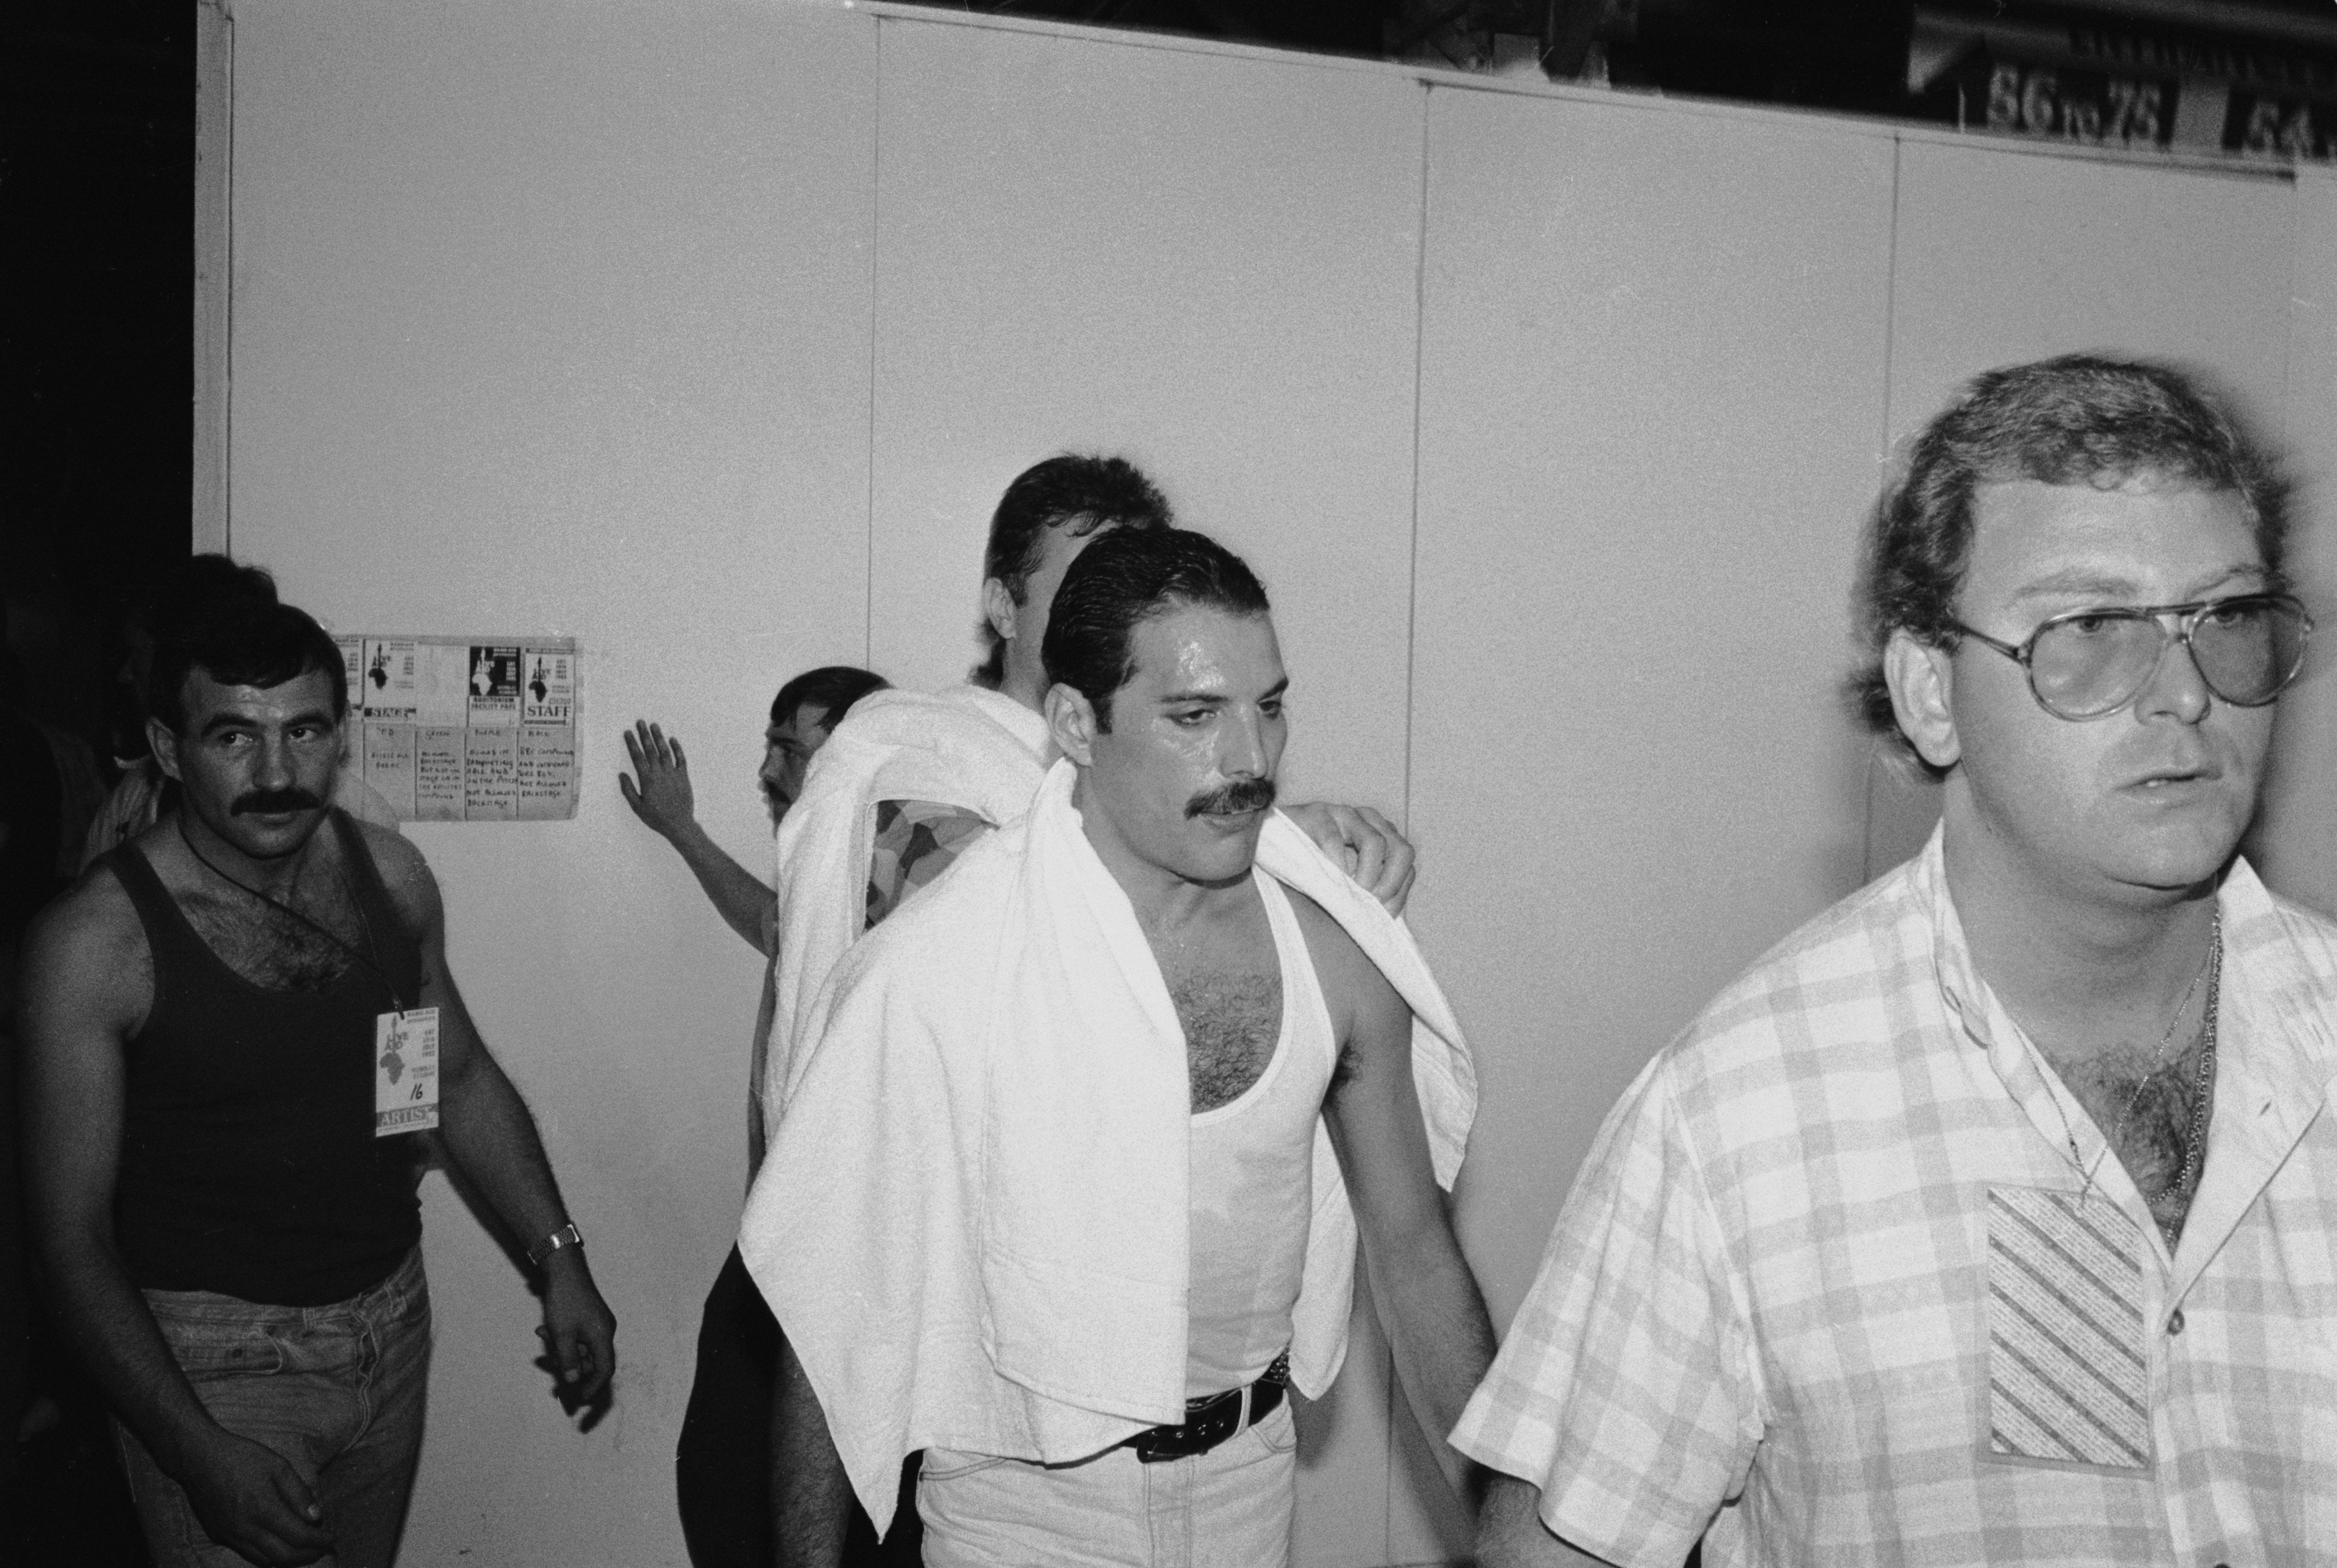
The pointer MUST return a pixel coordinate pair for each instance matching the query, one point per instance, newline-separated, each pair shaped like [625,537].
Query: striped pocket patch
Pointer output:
[2067,1375]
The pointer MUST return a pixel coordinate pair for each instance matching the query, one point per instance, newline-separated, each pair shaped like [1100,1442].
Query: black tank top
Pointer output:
[248,1162]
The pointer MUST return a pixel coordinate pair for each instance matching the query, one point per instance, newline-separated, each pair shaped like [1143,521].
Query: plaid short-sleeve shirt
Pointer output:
[1831,1284]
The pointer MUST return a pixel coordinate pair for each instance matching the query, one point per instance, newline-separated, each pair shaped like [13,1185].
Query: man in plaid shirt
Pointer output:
[1992,1217]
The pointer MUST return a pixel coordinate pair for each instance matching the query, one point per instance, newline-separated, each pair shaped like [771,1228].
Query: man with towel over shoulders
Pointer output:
[910,779]
[1074,1151]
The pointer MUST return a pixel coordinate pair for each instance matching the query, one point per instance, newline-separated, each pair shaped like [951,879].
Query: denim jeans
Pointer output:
[1228,1508]
[337,1390]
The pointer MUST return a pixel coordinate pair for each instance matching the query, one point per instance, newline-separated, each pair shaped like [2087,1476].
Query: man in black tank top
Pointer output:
[222,1188]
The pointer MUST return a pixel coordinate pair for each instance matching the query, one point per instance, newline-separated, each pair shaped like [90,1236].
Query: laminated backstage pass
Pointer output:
[2069,1373]
[405,1072]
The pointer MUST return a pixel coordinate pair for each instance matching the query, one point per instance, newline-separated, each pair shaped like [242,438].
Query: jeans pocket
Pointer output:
[414,1308]
[214,1349]
[1279,1430]
[950,1464]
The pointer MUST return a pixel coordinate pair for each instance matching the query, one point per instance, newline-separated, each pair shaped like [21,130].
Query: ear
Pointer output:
[165,747]
[1072,722]
[1922,682]
[998,607]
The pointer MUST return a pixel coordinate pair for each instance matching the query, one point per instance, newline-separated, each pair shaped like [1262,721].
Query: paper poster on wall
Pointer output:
[465,729]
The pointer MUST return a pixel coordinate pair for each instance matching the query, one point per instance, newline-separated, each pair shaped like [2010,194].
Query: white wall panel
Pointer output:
[1650,409]
[2004,255]
[1206,261]
[554,317]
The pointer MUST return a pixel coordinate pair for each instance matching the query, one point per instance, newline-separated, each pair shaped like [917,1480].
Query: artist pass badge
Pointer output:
[405,1072]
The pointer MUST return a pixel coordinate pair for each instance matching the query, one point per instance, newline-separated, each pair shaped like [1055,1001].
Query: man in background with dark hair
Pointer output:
[1991,1216]
[722,1459]
[230,1028]
[806,708]
[1039,528]
[1068,1183]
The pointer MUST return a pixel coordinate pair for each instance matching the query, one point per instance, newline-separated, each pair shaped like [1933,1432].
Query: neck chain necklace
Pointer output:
[366,958]
[2211,970]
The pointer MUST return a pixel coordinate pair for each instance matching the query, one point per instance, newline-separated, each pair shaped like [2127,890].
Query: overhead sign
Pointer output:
[2256,83]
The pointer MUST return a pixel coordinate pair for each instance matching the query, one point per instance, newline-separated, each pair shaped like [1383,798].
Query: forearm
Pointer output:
[1442,1337]
[103,1318]
[487,1130]
[811,1497]
[742,899]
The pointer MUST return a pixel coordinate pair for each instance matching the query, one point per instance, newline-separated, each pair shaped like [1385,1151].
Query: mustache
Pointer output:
[1247,795]
[274,801]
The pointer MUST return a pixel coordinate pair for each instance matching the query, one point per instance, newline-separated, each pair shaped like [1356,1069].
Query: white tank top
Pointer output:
[1252,1183]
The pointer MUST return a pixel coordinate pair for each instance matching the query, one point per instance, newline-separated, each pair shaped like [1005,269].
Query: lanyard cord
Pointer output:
[366,958]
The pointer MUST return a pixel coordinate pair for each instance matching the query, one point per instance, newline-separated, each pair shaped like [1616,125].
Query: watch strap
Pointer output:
[568,1235]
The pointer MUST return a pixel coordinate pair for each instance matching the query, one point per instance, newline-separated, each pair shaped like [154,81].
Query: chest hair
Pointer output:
[272,949]
[1231,1020]
[2155,1136]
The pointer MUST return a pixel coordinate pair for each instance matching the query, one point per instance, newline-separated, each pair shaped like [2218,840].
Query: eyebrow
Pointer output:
[1174,697]
[2082,582]
[241,721]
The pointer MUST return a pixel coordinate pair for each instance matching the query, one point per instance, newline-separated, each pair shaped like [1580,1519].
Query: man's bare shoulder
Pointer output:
[404,874]
[87,950]
[1351,984]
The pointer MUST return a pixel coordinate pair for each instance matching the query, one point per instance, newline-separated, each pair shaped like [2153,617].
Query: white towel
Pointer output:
[972,1224]
[964,747]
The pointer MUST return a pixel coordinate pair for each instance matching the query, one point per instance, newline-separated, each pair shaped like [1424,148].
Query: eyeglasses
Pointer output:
[2089,663]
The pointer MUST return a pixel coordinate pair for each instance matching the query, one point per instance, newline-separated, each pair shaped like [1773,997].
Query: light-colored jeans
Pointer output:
[337,1390]
[1228,1508]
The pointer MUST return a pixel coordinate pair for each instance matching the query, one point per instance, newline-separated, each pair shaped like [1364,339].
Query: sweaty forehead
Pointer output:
[1194,649]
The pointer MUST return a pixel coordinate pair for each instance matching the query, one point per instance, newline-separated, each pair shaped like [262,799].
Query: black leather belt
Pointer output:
[1210,1421]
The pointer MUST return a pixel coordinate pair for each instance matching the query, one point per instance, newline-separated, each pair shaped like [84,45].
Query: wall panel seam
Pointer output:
[1419,374]
[876,232]
[212,365]
[1882,448]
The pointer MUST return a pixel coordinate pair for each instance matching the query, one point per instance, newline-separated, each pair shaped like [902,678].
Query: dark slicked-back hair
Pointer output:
[2080,419]
[243,643]
[1071,492]
[195,585]
[1125,578]
[832,688]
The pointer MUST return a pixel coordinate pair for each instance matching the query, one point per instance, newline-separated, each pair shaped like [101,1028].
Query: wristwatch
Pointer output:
[568,1235]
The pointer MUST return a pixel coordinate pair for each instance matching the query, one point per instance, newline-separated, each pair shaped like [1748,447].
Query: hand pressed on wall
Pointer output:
[663,799]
